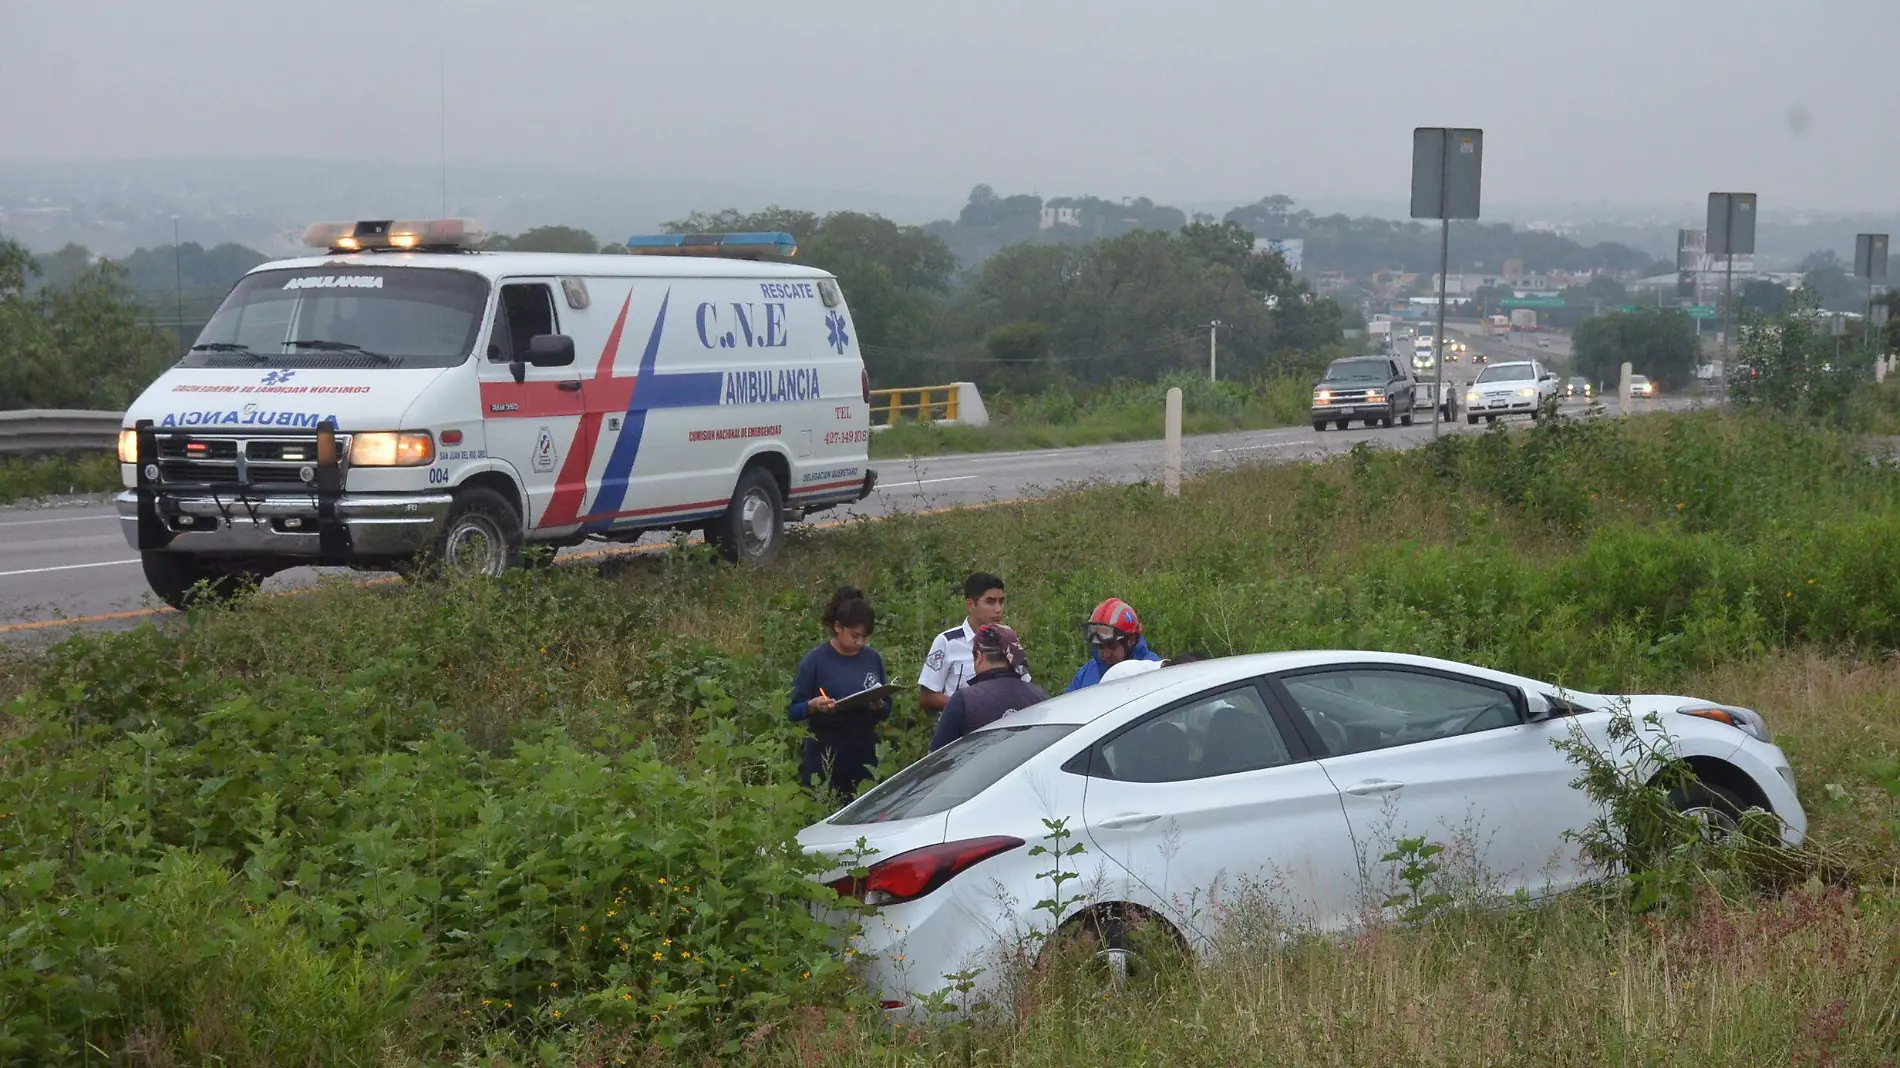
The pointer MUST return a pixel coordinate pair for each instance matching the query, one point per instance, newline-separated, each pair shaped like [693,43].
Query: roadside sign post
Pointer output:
[1731,233]
[1447,165]
[1870,266]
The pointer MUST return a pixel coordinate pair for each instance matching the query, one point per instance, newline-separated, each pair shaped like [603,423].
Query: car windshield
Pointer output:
[952,775]
[345,316]
[1506,372]
[1358,371]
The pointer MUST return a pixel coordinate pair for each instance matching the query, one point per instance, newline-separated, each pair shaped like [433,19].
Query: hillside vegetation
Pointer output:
[548,819]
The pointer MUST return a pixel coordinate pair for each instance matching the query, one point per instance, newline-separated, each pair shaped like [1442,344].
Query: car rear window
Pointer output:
[952,775]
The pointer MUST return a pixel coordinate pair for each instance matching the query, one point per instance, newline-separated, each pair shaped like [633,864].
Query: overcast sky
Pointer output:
[1619,101]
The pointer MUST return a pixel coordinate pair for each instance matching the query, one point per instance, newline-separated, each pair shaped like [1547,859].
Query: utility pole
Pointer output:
[1211,356]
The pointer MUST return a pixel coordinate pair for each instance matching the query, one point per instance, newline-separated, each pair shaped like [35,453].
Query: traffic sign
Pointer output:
[1531,302]
[1700,311]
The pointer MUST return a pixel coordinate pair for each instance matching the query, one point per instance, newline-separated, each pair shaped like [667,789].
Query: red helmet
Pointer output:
[1113,620]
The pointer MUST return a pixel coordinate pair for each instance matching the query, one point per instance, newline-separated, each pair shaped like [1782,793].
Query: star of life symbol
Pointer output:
[278,378]
[840,336]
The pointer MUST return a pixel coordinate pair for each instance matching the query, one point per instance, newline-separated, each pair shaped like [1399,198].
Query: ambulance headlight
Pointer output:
[386,448]
[128,446]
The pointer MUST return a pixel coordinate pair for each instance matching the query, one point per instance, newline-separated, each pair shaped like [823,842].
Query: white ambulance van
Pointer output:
[403,399]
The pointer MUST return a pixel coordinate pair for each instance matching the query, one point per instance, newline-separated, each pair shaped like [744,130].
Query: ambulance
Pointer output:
[402,399]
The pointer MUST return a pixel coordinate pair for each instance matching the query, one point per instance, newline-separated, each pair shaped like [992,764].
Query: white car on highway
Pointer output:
[1517,388]
[1209,792]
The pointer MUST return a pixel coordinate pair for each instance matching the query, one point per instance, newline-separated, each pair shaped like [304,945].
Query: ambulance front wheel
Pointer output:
[482,535]
[753,525]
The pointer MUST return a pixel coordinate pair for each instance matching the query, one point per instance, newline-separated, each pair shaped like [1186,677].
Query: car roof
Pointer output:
[494,265]
[1182,680]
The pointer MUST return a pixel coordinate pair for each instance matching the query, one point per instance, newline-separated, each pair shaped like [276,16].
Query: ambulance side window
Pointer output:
[525,310]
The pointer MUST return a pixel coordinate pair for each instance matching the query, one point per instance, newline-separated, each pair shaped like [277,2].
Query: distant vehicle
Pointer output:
[1373,388]
[1578,386]
[1641,386]
[1516,388]
[1282,770]
[1543,342]
[1523,319]
[1498,324]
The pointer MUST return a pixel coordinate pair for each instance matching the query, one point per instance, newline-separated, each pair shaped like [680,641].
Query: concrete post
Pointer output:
[1623,391]
[1171,464]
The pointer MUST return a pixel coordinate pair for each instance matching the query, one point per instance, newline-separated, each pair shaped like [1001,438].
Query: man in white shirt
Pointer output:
[950,662]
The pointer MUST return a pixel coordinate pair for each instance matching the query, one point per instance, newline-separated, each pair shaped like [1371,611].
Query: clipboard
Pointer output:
[863,698]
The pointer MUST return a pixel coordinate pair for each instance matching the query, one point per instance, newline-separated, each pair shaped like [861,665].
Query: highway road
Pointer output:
[69,566]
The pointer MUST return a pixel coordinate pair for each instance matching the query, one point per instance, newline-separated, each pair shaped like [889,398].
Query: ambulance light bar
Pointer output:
[368,234]
[736,246]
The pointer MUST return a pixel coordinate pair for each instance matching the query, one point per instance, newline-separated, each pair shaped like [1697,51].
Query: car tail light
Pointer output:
[909,876]
[864,383]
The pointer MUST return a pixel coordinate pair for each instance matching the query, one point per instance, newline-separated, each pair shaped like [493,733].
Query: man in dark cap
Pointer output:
[998,688]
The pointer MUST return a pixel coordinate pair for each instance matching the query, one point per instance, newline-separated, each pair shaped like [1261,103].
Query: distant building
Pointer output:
[1053,217]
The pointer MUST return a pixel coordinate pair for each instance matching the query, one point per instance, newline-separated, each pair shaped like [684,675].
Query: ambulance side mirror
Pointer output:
[551,350]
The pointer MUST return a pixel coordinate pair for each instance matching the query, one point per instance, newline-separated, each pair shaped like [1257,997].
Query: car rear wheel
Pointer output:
[1406,419]
[1472,419]
[1319,424]
[1342,423]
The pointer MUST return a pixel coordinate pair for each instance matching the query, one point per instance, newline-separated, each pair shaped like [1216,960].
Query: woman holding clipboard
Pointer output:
[842,748]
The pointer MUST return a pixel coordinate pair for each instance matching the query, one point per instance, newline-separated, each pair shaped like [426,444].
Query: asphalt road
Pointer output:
[65,567]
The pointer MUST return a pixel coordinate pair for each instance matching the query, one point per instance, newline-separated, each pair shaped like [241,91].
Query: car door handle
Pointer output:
[572,385]
[1128,819]
[1373,786]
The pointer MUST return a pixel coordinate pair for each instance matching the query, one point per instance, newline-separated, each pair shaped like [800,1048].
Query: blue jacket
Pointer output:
[1091,672]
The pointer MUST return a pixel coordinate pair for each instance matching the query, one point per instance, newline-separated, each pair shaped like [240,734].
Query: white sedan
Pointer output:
[1205,791]
[1517,388]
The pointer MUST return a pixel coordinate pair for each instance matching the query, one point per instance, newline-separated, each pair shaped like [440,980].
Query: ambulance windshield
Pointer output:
[345,315]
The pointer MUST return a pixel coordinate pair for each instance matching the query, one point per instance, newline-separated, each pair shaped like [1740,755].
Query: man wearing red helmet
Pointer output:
[1114,631]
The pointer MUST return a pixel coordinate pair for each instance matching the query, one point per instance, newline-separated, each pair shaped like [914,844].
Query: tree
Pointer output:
[83,344]
[545,239]
[1658,343]
[1792,364]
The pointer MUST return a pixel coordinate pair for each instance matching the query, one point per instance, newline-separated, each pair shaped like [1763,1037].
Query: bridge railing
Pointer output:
[923,404]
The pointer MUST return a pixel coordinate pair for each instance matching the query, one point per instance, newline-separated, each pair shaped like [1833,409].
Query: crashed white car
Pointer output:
[1291,771]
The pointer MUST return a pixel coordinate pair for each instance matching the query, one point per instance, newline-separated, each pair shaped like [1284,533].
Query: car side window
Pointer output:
[1221,734]
[524,311]
[1357,710]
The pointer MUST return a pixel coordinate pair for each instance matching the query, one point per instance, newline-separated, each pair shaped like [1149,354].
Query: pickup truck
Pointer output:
[1376,389]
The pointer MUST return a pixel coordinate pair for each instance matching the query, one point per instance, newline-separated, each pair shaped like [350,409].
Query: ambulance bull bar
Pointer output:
[321,523]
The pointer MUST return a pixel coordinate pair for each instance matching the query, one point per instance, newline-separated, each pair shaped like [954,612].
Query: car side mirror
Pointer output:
[1537,707]
[551,350]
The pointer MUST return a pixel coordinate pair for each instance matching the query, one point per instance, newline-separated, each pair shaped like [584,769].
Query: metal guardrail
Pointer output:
[40,431]
[932,404]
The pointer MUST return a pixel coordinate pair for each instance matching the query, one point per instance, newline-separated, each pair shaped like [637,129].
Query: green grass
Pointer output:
[25,478]
[1123,412]
[430,824]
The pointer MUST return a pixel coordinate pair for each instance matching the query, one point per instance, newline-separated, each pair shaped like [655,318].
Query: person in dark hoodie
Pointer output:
[1114,632]
[999,687]
[842,748]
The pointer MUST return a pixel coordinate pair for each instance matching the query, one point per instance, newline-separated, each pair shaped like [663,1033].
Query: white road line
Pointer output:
[67,519]
[64,567]
[924,481]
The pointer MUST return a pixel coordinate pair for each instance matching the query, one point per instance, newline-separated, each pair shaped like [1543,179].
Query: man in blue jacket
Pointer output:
[1114,632]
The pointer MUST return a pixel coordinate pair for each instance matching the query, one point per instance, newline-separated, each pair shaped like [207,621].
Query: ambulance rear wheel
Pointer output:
[481,537]
[182,580]
[753,525]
